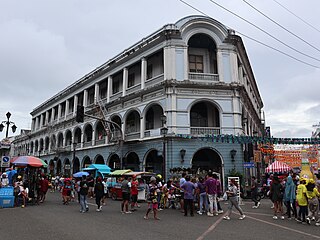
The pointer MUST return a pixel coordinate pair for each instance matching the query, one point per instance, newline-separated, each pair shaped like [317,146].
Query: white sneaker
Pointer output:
[220,211]
[275,217]
[210,214]
[258,204]
[226,218]
[254,206]
[98,210]
[242,217]
[282,217]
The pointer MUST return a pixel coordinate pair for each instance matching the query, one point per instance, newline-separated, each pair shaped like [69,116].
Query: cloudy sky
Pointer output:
[47,45]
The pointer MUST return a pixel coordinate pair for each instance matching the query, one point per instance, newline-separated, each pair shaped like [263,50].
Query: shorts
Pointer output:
[134,198]
[126,196]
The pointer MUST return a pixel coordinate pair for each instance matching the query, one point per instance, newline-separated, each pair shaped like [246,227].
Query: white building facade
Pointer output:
[192,77]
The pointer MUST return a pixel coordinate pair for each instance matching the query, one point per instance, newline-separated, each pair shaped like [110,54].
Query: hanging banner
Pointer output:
[257,156]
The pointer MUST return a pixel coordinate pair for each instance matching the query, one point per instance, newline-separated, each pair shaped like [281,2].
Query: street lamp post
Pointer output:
[164,132]
[8,123]
[74,145]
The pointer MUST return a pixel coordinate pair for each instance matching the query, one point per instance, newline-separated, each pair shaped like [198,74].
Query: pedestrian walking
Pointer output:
[219,192]
[152,199]
[254,192]
[134,193]
[232,194]
[44,186]
[105,191]
[182,181]
[125,188]
[302,200]
[90,181]
[313,202]
[276,192]
[290,197]
[83,195]
[211,189]
[203,206]
[98,192]
[188,188]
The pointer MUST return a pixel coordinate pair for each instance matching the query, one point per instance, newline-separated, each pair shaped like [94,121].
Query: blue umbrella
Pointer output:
[80,174]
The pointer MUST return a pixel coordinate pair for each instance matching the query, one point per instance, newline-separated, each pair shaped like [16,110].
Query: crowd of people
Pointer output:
[300,196]
[292,197]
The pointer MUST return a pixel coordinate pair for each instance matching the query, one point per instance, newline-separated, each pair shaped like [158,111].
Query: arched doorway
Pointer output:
[154,162]
[114,162]
[131,161]
[59,167]
[51,167]
[76,165]
[86,162]
[67,167]
[205,160]
[99,159]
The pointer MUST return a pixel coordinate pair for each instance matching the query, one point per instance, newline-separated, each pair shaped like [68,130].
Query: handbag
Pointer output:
[225,196]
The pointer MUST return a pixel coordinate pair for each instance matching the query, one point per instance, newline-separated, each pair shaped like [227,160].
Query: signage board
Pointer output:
[5,161]
[248,165]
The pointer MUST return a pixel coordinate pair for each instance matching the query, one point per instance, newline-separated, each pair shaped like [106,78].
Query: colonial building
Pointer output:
[192,78]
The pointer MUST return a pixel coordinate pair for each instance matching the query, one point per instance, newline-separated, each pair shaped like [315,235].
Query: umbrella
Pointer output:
[29,161]
[80,174]
[277,166]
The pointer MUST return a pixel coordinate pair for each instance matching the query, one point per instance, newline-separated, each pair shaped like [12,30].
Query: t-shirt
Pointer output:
[211,185]
[134,187]
[188,188]
[83,188]
[125,186]
[202,187]
[301,195]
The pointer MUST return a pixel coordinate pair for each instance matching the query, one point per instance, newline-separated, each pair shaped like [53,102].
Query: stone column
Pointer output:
[143,72]
[142,127]
[67,109]
[124,81]
[96,93]
[75,104]
[85,98]
[109,89]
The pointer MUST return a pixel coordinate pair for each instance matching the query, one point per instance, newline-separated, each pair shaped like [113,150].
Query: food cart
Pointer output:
[142,177]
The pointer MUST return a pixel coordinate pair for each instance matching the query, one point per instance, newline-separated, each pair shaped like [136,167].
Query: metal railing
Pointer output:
[154,80]
[204,130]
[100,141]
[134,88]
[87,144]
[133,135]
[207,77]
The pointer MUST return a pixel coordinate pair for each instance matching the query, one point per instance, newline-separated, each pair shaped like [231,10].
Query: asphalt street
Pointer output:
[53,220]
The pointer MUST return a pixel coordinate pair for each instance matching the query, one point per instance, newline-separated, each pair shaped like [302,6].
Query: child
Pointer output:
[152,199]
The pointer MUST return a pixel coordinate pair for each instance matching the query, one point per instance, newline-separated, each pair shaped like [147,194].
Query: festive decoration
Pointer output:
[226,138]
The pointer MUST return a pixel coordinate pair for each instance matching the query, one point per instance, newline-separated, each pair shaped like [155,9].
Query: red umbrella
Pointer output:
[277,166]
[28,161]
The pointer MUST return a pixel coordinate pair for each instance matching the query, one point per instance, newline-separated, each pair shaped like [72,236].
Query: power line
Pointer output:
[270,35]
[300,38]
[275,49]
[310,25]
[286,54]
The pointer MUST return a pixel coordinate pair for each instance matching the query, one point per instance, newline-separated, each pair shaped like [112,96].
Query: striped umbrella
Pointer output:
[29,161]
[277,166]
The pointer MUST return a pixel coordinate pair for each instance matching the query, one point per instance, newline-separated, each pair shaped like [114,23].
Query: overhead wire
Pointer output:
[257,41]
[270,35]
[310,25]
[278,24]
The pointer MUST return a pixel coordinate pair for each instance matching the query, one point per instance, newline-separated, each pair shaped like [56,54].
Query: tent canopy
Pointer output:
[277,166]
[102,168]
